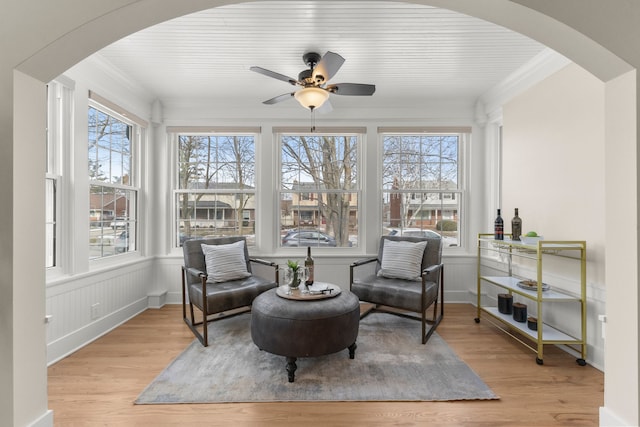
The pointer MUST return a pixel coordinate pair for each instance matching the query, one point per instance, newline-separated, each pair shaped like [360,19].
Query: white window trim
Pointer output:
[139,132]
[174,133]
[60,133]
[361,134]
[465,135]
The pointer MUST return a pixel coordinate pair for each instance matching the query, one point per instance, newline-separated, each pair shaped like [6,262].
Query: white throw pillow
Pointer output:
[402,259]
[225,262]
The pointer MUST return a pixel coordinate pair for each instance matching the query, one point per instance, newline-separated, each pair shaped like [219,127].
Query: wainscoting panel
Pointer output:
[86,307]
[460,276]
[168,278]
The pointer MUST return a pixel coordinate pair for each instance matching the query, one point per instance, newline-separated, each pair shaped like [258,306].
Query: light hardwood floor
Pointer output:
[98,384]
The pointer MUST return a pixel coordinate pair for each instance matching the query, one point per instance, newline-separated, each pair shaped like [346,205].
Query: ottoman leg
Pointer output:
[352,351]
[291,368]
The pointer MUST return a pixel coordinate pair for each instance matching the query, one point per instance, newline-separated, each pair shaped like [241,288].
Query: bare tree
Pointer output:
[109,138]
[212,162]
[329,163]
[415,164]
[242,153]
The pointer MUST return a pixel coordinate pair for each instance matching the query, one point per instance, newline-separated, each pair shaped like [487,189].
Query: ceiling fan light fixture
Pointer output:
[311,97]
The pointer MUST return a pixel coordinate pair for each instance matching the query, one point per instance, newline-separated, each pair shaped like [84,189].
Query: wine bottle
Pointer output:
[516,227]
[498,227]
[308,263]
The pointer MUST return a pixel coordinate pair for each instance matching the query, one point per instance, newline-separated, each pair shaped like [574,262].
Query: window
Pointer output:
[112,192]
[319,189]
[421,184]
[51,232]
[59,99]
[215,193]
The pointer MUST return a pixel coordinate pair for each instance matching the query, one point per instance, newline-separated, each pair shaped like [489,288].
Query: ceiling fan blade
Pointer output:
[279,98]
[274,75]
[354,89]
[327,67]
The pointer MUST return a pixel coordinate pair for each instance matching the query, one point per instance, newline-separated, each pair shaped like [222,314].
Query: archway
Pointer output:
[75,35]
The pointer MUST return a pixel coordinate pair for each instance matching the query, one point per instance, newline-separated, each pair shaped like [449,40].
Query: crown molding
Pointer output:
[119,78]
[537,69]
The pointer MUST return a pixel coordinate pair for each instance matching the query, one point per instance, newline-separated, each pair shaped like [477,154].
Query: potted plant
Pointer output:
[293,274]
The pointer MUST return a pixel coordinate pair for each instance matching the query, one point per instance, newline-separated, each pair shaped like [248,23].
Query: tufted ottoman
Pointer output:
[308,328]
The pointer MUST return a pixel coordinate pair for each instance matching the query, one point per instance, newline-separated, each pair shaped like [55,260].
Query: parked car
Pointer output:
[122,242]
[417,232]
[295,238]
[119,222]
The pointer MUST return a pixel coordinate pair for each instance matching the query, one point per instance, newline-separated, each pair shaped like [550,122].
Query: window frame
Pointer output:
[360,134]
[175,133]
[459,195]
[60,97]
[137,134]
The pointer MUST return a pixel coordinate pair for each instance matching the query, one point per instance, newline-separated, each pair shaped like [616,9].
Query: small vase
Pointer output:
[295,278]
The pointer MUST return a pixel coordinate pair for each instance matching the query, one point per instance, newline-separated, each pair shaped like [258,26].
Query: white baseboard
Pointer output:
[609,419]
[74,341]
[174,298]
[45,420]
[157,299]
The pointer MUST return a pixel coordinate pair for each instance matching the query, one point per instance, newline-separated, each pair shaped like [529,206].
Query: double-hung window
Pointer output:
[319,188]
[421,183]
[113,189]
[215,190]
[59,99]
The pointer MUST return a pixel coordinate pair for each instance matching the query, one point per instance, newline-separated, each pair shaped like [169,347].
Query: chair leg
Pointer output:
[424,327]
[436,318]
[368,311]
[205,313]
[191,323]
[433,324]
[184,297]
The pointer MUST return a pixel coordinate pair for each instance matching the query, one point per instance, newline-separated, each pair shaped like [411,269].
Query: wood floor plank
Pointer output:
[98,384]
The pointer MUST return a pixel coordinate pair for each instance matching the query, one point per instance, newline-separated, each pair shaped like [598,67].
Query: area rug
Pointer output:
[390,365]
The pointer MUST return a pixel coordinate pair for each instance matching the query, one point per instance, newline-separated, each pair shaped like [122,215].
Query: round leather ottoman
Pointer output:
[294,328]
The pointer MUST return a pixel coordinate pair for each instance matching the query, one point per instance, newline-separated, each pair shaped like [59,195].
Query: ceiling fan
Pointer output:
[315,90]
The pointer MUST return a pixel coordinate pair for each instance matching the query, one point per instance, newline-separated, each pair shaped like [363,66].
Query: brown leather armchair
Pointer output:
[211,298]
[409,295]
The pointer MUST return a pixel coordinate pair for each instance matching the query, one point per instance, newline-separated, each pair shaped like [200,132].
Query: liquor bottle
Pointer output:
[308,262]
[516,227]
[498,227]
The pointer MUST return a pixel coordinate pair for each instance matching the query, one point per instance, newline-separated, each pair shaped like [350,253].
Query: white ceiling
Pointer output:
[406,50]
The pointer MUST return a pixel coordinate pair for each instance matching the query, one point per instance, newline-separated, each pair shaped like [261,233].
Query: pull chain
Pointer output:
[313,119]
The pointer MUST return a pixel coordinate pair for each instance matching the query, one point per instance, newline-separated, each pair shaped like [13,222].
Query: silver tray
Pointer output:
[319,290]
[532,285]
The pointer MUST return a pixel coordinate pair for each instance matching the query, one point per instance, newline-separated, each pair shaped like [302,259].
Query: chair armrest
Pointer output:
[276,270]
[195,272]
[362,262]
[358,264]
[263,262]
[432,269]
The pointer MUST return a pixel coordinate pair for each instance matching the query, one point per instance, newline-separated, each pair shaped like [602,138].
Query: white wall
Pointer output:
[28,308]
[554,172]
[621,157]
